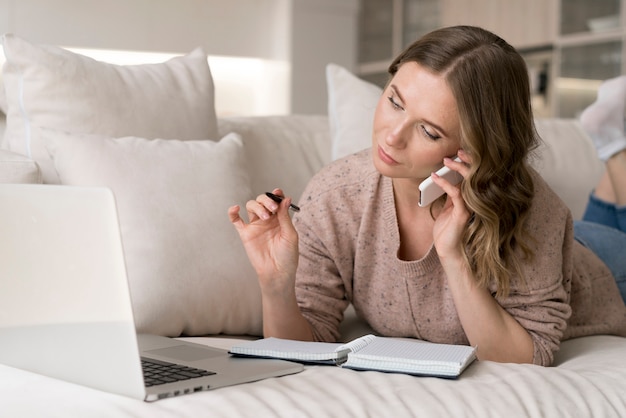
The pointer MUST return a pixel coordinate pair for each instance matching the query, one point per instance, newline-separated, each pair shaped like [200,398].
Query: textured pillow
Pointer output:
[564,171]
[53,88]
[3,97]
[188,271]
[16,168]
[351,106]
[300,147]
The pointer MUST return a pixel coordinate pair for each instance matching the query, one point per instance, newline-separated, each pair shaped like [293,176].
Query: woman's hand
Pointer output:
[271,242]
[454,216]
[488,326]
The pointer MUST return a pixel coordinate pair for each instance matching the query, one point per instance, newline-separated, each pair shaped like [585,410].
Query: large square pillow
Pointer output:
[351,105]
[53,88]
[16,168]
[188,271]
[3,97]
[300,147]
[3,106]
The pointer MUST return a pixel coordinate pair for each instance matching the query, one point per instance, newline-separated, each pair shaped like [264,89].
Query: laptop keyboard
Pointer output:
[156,372]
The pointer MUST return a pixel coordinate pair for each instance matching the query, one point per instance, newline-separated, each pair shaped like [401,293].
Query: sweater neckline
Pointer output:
[426,264]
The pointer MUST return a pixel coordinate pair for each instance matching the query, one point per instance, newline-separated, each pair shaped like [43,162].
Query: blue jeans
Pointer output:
[603,231]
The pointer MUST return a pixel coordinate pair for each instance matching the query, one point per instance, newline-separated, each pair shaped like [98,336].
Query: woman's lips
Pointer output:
[386,158]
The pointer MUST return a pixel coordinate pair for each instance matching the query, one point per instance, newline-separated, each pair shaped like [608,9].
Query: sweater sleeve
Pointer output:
[540,300]
[327,229]
[320,291]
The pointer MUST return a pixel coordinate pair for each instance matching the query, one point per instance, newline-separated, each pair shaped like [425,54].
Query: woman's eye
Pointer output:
[429,134]
[394,103]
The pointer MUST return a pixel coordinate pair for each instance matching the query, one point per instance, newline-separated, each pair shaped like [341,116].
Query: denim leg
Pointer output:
[609,244]
[620,214]
[601,212]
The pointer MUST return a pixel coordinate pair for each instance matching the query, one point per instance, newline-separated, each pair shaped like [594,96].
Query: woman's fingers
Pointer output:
[260,208]
[235,219]
[455,197]
[465,157]
[264,207]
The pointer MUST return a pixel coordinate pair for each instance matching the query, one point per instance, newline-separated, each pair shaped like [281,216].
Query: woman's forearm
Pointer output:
[282,318]
[495,333]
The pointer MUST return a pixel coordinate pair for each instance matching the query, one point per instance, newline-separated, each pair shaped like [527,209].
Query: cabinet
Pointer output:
[526,24]
[570,46]
[589,49]
[386,27]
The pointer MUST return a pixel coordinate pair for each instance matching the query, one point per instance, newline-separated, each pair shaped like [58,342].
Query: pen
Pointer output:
[279,199]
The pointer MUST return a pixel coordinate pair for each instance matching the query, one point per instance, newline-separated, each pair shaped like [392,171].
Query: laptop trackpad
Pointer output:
[185,353]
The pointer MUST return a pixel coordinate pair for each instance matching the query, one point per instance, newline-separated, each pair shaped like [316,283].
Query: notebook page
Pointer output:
[412,356]
[288,349]
[358,343]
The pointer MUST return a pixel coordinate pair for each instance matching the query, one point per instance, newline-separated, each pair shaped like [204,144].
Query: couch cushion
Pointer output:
[16,168]
[567,160]
[351,105]
[3,96]
[53,88]
[188,271]
[3,124]
[282,151]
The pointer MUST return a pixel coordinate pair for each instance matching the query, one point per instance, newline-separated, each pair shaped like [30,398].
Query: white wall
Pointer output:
[298,37]
[323,31]
[233,27]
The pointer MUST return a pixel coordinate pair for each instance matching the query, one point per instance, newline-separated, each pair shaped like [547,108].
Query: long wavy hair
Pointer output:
[489,80]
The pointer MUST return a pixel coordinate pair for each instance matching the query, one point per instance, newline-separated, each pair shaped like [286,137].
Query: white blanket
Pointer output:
[588,380]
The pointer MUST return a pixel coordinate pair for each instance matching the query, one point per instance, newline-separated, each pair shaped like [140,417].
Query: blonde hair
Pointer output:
[489,80]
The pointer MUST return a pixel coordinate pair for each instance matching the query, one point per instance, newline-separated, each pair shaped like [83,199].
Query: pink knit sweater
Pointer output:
[349,240]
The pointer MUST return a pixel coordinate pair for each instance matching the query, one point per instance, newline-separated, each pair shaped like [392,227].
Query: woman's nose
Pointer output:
[397,135]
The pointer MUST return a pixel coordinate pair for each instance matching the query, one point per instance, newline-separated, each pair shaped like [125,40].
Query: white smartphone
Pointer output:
[430,191]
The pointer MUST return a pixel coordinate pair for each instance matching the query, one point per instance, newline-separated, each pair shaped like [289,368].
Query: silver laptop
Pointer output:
[65,306]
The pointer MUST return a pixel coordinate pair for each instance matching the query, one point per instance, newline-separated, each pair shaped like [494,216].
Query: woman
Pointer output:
[492,264]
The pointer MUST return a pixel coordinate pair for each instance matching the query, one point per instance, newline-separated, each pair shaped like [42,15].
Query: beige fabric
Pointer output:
[3,122]
[3,97]
[587,381]
[568,161]
[53,88]
[351,105]
[187,269]
[282,151]
[15,168]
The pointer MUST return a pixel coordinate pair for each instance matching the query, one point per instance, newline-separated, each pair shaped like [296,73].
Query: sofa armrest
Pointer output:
[16,168]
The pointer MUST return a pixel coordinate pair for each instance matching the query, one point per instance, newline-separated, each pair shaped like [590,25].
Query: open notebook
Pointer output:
[369,352]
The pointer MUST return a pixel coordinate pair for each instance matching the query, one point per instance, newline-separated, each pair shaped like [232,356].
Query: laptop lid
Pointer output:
[66,309]
[65,302]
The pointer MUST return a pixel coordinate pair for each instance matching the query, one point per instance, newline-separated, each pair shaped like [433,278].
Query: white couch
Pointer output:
[65,115]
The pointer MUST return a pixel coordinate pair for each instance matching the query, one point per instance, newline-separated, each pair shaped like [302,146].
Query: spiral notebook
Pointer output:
[370,352]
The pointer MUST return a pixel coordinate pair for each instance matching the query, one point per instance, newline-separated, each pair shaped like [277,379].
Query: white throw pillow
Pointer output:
[53,88]
[3,97]
[188,271]
[351,106]
[16,168]
[282,151]
[572,174]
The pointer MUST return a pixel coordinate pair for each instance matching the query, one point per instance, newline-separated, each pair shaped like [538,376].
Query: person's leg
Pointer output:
[616,171]
[604,189]
[600,211]
[603,120]
[609,245]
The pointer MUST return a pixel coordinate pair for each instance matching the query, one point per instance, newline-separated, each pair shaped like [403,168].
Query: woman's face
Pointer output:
[416,124]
